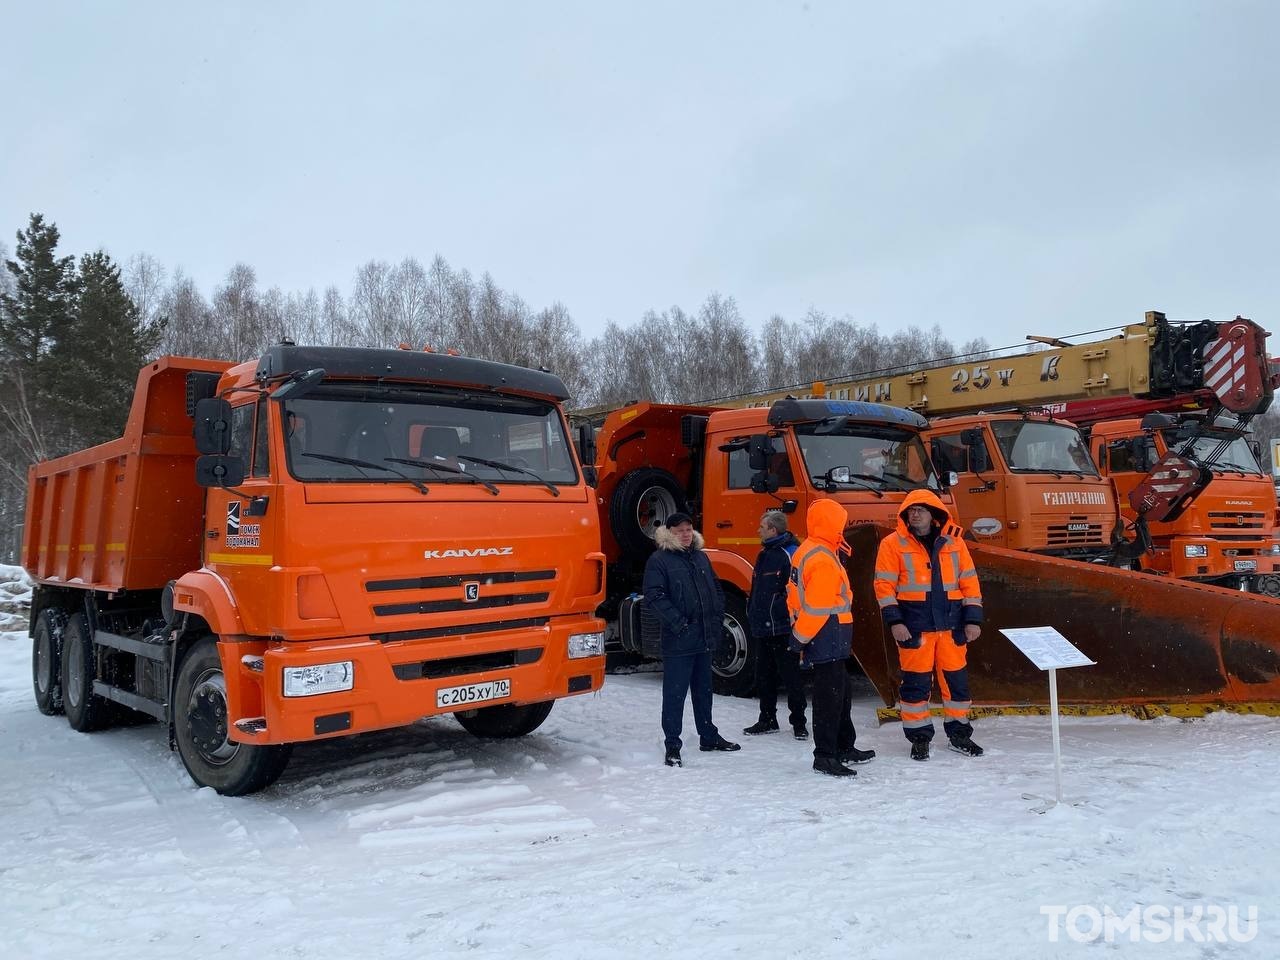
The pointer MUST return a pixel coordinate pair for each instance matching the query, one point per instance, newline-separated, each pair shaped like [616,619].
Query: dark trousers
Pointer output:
[775,662]
[689,674]
[833,732]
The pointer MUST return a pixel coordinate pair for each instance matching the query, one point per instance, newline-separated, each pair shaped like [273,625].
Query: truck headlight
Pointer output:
[1275,549]
[321,678]
[586,645]
[1196,550]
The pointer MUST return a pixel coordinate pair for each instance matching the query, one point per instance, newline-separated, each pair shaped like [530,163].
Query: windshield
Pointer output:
[1034,446]
[381,434]
[1236,456]
[856,455]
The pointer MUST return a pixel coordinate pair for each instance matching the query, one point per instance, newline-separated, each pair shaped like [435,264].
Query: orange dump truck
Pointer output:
[320,542]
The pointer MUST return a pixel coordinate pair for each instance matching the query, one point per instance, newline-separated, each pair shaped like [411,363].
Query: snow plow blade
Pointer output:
[1161,645]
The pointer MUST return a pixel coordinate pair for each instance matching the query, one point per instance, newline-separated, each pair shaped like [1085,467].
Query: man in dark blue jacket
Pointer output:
[770,626]
[681,589]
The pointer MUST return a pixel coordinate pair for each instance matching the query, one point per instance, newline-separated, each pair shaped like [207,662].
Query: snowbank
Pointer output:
[577,842]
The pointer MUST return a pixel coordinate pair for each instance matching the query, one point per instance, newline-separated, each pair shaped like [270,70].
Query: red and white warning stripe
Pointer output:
[1225,365]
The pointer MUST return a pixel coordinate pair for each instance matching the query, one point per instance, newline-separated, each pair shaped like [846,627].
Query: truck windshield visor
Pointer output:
[431,435]
[889,458]
[1033,446]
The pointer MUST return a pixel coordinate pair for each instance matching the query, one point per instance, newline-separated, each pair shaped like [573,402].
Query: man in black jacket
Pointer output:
[770,625]
[681,589]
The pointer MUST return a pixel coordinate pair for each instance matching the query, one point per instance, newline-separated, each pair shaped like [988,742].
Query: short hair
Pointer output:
[776,519]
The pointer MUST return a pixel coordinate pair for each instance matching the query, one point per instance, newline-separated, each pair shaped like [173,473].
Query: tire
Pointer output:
[86,711]
[46,661]
[200,724]
[641,503]
[506,720]
[733,662]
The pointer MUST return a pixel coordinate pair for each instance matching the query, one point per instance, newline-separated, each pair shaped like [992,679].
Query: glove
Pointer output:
[903,638]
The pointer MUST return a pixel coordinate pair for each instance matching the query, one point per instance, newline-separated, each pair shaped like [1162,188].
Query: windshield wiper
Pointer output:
[352,462]
[446,468]
[1232,466]
[499,465]
[861,477]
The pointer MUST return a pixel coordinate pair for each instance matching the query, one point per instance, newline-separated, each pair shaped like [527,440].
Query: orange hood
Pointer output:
[927,498]
[826,521]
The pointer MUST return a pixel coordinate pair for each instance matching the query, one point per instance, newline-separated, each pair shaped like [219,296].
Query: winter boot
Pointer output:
[857,756]
[719,744]
[673,757]
[800,731]
[920,750]
[832,767]
[763,725]
[966,746]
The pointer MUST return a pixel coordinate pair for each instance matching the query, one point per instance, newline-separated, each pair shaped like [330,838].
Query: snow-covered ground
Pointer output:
[577,842]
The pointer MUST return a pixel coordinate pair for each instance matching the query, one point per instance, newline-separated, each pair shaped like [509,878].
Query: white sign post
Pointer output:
[1049,650]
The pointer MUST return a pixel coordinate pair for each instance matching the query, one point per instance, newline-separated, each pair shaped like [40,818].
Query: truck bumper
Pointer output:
[396,683]
[1217,558]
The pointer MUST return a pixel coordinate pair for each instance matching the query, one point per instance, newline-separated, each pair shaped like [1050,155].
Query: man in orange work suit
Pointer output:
[928,592]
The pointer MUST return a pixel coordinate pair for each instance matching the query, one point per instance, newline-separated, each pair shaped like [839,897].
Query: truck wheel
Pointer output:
[733,662]
[505,720]
[86,711]
[1268,585]
[200,723]
[46,661]
[641,503]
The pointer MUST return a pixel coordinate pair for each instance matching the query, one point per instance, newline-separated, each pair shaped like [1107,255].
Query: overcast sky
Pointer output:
[1000,168]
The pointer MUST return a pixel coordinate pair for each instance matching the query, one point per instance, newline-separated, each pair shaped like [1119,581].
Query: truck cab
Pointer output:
[1227,535]
[727,467]
[1025,481]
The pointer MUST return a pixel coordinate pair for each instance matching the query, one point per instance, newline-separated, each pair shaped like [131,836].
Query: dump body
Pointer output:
[127,514]
[412,535]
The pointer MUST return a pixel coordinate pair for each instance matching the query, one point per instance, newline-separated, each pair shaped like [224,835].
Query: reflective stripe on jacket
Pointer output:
[818,594]
[927,590]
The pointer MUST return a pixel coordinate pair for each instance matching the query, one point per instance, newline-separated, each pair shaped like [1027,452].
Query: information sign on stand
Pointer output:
[1049,650]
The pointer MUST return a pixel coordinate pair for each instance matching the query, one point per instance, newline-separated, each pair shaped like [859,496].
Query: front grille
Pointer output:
[458,579]
[459,630]
[452,606]
[1244,520]
[1075,533]
[460,666]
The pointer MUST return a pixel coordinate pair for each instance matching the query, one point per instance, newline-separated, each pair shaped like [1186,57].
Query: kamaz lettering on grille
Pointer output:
[460,552]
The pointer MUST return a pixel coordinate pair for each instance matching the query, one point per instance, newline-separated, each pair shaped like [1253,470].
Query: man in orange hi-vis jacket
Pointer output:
[820,603]
[928,592]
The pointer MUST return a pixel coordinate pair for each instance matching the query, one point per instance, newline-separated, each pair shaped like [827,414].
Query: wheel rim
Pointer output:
[44,662]
[75,671]
[731,655]
[653,508]
[207,719]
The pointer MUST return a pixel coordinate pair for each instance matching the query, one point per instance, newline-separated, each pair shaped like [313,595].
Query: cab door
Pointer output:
[731,509]
[979,495]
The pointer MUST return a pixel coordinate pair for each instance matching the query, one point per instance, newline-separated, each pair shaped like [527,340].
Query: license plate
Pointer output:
[1246,565]
[467,694]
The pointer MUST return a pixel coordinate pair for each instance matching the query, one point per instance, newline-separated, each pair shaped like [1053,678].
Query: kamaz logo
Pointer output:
[458,554]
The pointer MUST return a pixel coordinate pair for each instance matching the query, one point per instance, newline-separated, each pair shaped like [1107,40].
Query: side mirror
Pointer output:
[587,446]
[764,482]
[788,506]
[1138,451]
[759,450]
[952,479]
[1158,421]
[219,471]
[971,436]
[212,429]
[838,474]
[1256,449]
